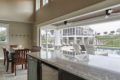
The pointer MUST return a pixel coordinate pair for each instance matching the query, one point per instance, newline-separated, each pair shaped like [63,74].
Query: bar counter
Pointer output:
[89,67]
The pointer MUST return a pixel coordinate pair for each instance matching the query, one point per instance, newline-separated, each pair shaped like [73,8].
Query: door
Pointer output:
[49,73]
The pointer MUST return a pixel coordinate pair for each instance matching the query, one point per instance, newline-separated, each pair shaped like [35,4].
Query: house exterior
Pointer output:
[79,35]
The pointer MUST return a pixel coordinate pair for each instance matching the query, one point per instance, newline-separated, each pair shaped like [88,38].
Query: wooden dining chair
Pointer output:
[20,58]
[4,53]
[9,59]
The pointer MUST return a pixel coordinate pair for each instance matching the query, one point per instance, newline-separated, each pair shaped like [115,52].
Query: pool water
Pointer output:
[109,51]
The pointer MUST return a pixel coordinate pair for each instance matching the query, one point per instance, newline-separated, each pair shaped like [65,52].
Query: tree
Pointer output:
[98,33]
[105,32]
[112,32]
[3,35]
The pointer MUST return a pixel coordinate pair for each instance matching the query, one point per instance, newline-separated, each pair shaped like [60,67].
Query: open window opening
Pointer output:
[3,33]
[97,34]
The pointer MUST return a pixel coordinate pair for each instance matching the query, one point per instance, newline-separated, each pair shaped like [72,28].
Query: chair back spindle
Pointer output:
[13,46]
[20,56]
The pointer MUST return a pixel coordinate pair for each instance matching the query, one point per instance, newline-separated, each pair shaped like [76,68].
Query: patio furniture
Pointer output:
[90,49]
[77,48]
[19,58]
[83,48]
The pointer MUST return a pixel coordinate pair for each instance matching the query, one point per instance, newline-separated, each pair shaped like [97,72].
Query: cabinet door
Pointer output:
[67,76]
[32,68]
[48,73]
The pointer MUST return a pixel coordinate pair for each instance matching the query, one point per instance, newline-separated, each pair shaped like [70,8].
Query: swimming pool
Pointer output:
[109,51]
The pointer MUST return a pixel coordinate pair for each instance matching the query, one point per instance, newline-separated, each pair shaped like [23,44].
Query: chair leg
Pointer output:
[15,69]
[22,66]
[12,67]
[7,66]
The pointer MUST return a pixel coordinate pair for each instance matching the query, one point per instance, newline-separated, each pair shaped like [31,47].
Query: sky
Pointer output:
[2,28]
[105,27]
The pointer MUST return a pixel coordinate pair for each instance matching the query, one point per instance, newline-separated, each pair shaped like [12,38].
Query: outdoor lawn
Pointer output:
[109,41]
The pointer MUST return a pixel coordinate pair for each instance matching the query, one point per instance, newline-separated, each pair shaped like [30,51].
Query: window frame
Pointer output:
[7,33]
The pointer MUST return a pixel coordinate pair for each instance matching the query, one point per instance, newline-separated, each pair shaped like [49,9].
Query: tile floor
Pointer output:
[21,74]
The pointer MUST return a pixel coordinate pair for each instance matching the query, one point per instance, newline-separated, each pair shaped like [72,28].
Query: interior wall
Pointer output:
[35,35]
[57,8]
[17,10]
[19,34]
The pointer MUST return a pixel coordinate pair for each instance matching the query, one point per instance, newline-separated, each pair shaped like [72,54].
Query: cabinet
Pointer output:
[39,70]
[67,76]
[32,68]
[49,73]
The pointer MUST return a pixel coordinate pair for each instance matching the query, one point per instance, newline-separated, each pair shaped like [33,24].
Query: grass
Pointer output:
[109,41]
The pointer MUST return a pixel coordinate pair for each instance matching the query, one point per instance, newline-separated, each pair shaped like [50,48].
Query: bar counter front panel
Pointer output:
[57,65]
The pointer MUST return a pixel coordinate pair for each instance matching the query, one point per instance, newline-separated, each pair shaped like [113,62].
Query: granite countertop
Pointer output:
[90,67]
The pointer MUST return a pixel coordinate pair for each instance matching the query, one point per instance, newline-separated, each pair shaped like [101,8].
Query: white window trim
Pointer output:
[7,27]
[44,4]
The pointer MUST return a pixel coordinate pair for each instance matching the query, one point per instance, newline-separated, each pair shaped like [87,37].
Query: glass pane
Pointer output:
[98,39]
[45,2]
[43,39]
[50,39]
[3,34]
[37,4]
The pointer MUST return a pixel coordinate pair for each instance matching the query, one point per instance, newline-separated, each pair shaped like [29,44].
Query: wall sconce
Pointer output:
[65,22]
[108,12]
